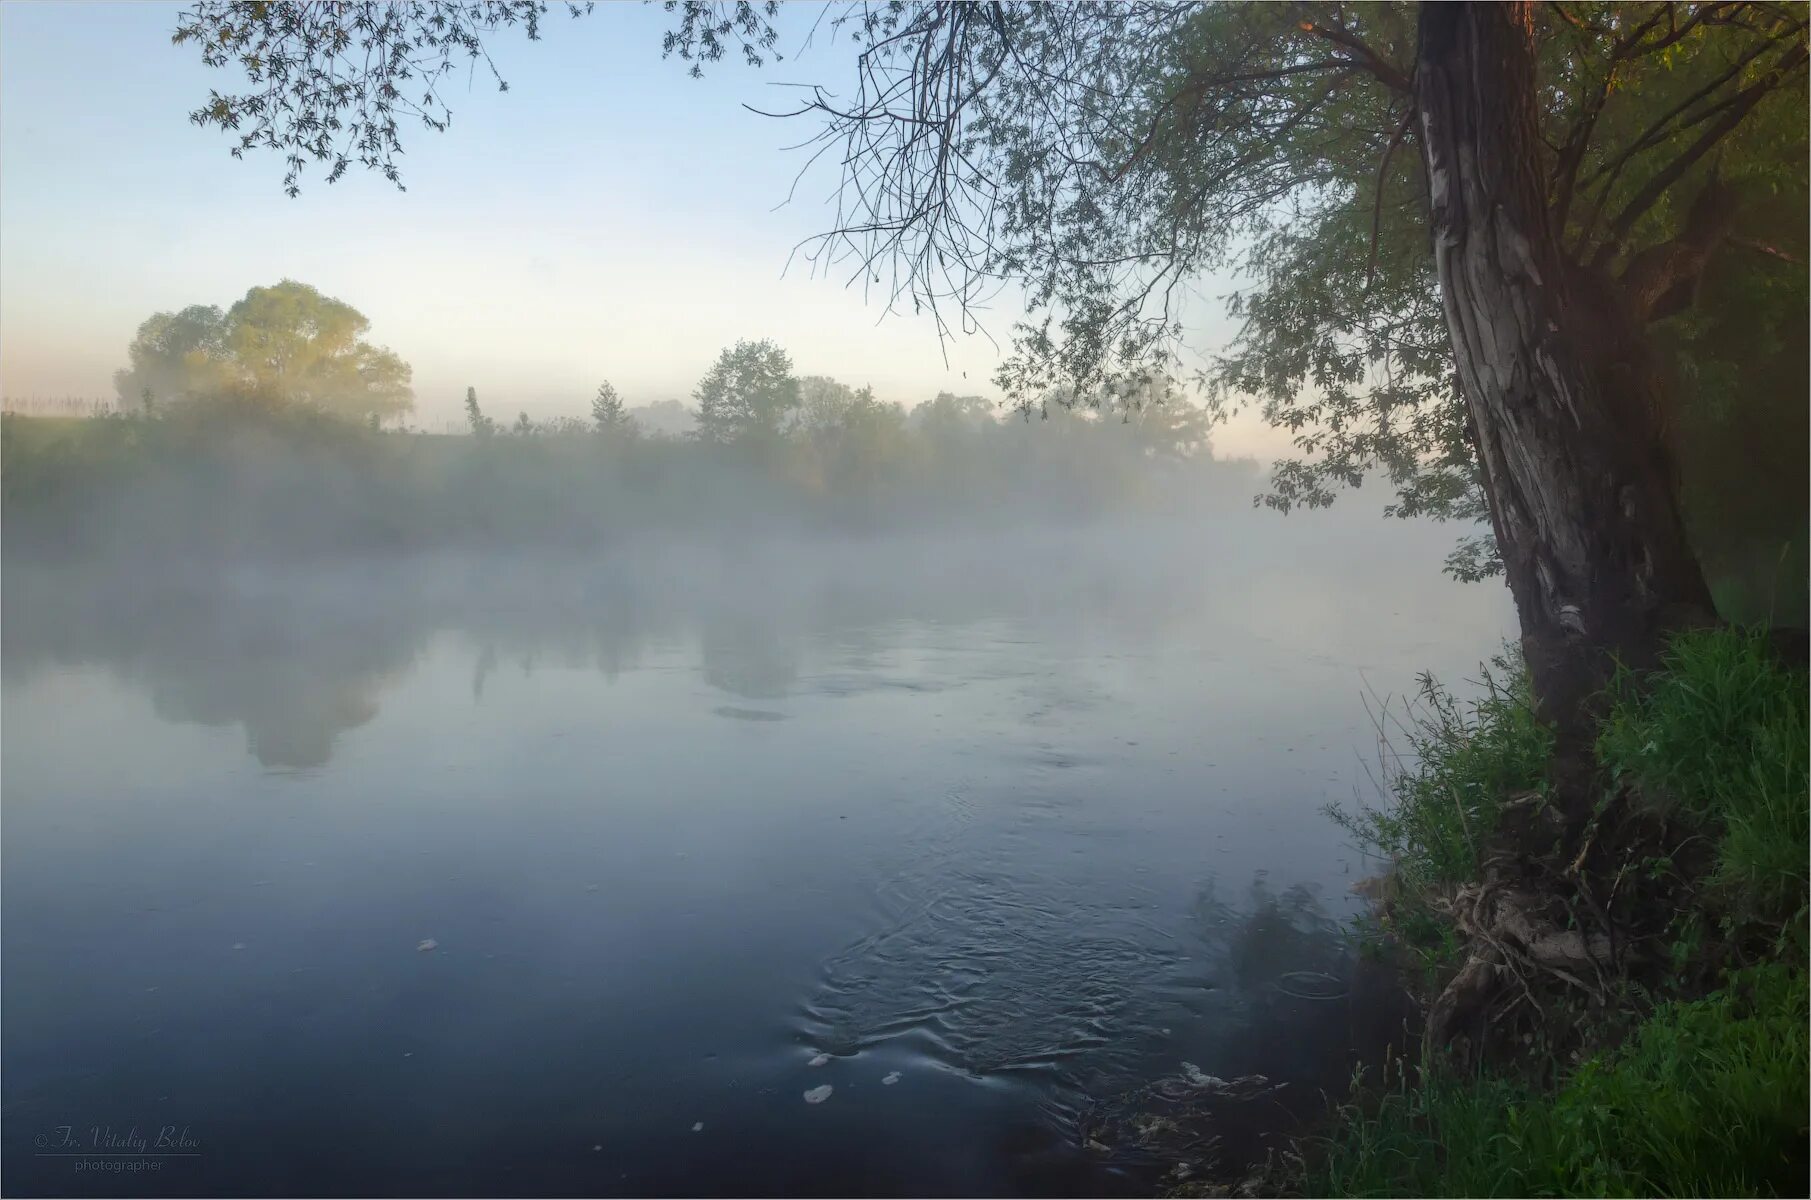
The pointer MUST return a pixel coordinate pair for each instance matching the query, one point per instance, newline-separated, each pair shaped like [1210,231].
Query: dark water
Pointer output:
[1010,833]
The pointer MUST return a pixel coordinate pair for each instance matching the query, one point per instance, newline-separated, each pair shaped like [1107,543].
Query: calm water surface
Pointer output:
[995,835]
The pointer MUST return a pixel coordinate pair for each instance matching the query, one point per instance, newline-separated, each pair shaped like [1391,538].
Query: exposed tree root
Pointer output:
[1565,912]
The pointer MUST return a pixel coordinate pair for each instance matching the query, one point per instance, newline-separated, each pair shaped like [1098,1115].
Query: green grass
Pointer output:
[1719,734]
[1708,1095]
[1462,761]
[1706,1099]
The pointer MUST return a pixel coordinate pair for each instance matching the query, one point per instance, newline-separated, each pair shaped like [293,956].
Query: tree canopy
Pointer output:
[608,416]
[287,342]
[748,395]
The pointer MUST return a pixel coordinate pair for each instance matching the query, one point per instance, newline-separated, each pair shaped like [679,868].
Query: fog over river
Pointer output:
[871,866]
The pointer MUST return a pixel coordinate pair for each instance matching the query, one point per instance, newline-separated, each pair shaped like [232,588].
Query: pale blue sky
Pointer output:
[609,216]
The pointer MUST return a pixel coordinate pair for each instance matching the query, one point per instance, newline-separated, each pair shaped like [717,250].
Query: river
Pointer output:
[916,867]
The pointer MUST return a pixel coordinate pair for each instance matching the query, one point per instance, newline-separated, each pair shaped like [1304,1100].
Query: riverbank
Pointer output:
[1615,999]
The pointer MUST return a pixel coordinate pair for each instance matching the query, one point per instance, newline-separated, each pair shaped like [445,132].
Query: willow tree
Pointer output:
[285,342]
[1460,225]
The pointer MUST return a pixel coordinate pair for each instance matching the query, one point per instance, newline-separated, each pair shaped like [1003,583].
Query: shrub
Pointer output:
[1707,1098]
[1719,733]
[1445,794]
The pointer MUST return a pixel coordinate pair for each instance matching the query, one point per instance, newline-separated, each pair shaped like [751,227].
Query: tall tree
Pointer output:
[175,355]
[1566,405]
[291,342]
[608,416]
[747,395]
[480,425]
[824,407]
[1460,227]
[286,342]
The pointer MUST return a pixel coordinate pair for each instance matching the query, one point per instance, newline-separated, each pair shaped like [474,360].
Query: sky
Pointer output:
[607,217]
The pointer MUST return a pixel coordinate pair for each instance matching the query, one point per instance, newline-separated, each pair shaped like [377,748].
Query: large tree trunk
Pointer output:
[1556,374]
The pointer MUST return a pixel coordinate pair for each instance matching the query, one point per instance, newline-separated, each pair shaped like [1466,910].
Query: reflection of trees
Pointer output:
[487,662]
[1262,1058]
[291,711]
[749,658]
[298,658]
[603,629]
[294,683]
[1310,1006]
[296,675]
[1272,934]
[618,631]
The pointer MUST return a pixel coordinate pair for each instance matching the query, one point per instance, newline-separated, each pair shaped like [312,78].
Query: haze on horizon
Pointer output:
[607,217]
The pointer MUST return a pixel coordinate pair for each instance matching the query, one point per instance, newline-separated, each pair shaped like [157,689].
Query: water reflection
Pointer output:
[940,819]
[748,658]
[1306,995]
[1280,1010]
[300,657]
[1270,935]
[295,674]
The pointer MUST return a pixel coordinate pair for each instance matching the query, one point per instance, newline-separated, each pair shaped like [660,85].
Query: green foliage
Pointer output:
[845,436]
[1707,1098]
[1742,360]
[706,30]
[286,343]
[315,97]
[1463,761]
[747,396]
[608,416]
[242,473]
[175,355]
[1720,732]
[292,343]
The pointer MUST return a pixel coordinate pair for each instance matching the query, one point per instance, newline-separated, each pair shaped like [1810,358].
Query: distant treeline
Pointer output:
[245,475]
[60,406]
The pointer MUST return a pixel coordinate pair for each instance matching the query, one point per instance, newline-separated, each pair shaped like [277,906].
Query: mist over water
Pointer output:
[1001,830]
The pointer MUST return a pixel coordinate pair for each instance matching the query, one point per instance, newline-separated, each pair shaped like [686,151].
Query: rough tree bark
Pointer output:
[1567,405]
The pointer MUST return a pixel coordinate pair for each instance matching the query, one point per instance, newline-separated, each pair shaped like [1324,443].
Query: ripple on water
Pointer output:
[987,969]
